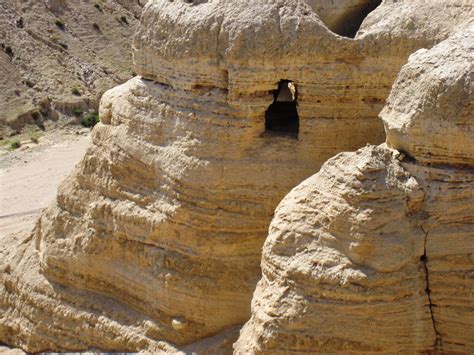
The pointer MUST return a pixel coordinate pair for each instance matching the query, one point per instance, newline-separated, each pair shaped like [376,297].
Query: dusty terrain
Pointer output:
[30,176]
[57,57]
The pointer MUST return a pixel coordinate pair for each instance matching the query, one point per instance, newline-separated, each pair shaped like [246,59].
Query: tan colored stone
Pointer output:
[374,253]
[343,17]
[341,265]
[154,241]
[413,111]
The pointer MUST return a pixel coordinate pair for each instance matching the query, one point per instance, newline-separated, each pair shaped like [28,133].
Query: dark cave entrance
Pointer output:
[282,115]
[350,24]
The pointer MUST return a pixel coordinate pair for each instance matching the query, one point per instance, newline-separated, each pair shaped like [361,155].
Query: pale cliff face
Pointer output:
[154,241]
[374,252]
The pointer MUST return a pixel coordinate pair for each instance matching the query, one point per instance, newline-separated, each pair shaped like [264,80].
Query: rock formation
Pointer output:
[154,241]
[374,253]
[343,17]
[61,55]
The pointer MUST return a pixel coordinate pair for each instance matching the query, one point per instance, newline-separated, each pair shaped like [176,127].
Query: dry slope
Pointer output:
[58,55]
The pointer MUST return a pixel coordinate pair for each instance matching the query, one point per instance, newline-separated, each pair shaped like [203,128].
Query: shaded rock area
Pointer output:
[374,253]
[154,241]
[57,57]
[343,17]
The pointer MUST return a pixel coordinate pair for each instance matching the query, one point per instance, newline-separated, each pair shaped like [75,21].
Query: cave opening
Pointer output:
[349,25]
[282,115]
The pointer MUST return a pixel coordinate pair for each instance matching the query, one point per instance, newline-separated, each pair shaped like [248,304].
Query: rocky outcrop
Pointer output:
[374,253]
[154,242]
[57,56]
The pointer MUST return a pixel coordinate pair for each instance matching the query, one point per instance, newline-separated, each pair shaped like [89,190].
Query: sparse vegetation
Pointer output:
[91,119]
[77,111]
[60,23]
[20,23]
[15,144]
[75,91]
[34,138]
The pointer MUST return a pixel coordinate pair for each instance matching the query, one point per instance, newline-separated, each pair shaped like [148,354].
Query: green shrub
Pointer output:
[91,119]
[77,111]
[15,144]
[60,23]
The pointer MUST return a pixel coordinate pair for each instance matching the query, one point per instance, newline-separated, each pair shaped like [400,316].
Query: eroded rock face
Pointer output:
[341,266]
[343,17]
[154,241]
[375,251]
[411,113]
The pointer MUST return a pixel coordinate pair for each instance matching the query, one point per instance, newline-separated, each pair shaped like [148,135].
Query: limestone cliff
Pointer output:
[374,253]
[154,241]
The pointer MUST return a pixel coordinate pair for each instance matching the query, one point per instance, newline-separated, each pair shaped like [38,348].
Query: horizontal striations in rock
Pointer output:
[375,251]
[449,230]
[439,106]
[167,213]
[341,266]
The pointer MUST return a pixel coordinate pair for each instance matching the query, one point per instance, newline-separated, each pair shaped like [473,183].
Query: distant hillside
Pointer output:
[58,56]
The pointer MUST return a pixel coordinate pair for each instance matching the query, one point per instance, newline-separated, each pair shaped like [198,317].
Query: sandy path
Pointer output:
[29,180]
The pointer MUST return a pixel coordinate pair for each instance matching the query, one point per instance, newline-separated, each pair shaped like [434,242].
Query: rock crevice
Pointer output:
[438,346]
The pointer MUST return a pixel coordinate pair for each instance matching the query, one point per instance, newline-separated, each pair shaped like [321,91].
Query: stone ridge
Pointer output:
[341,266]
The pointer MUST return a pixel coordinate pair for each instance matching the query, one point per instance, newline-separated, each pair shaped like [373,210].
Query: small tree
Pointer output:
[91,119]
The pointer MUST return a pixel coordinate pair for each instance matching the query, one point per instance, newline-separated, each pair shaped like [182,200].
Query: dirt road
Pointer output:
[30,177]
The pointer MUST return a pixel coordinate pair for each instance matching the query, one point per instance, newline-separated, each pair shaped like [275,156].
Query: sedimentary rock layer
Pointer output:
[341,266]
[375,251]
[167,212]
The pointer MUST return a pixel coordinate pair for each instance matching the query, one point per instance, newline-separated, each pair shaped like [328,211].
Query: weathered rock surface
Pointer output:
[374,253]
[42,62]
[413,111]
[154,242]
[343,17]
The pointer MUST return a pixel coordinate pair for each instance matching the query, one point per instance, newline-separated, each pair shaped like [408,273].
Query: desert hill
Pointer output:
[57,57]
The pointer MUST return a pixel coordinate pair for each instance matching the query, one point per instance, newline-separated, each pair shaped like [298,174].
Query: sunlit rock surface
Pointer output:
[374,253]
[154,241]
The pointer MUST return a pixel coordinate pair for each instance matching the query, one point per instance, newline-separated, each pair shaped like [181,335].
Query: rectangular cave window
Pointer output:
[282,115]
